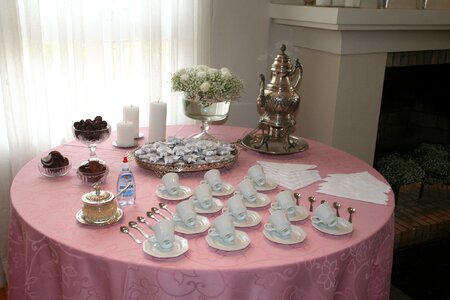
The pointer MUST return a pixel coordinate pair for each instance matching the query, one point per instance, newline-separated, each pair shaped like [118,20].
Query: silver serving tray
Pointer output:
[160,169]
[274,147]
[80,218]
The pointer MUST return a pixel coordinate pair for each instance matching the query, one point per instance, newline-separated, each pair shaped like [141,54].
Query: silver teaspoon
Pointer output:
[164,206]
[311,201]
[144,221]
[297,197]
[155,210]
[351,211]
[336,205]
[135,226]
[150,214]
[125,230]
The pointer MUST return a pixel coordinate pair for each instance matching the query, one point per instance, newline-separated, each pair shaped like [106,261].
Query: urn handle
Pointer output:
[297,74]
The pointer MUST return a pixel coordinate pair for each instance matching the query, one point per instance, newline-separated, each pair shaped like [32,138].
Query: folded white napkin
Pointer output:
[360,186]
[290,176]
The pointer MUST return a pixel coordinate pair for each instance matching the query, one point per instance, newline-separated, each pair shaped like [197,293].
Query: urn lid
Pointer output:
[282,62]
[97,197]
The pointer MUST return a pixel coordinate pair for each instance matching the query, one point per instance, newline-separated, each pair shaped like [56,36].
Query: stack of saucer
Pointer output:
[291,176]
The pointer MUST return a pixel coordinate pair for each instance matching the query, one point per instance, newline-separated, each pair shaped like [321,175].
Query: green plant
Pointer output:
[400,171]
[201,83]
[434,160]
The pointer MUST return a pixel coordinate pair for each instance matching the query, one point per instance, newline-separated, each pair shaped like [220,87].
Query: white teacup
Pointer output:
[284,201]
[203,195]
[257,175]
[212,177]
[185,212]
[247,190]
[324,214]
[170,184]
[279,223]
[164,233]
[236,207]
[223,228]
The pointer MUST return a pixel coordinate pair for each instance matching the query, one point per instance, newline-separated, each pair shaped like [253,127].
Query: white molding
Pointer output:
[360,42]
[338,18]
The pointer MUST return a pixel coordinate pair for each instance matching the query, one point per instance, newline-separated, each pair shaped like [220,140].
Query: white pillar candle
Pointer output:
[157,121]
[131,114]
[125,136]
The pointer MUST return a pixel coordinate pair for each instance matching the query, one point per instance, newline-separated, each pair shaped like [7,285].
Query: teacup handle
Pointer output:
[316,220]
[161,188]
[225,210]
[176,218]
[269,227]
[275,206]
[212,232]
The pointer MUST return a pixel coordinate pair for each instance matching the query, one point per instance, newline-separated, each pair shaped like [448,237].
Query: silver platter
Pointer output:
[161,169]
[80,218]
[277,147]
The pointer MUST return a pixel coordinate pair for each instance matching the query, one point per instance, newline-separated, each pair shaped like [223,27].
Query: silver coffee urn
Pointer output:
[277,103]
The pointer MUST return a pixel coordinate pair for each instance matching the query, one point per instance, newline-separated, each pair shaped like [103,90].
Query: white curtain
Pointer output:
[65,60]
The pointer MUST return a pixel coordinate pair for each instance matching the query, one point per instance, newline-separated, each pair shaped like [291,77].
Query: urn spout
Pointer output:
[261,100]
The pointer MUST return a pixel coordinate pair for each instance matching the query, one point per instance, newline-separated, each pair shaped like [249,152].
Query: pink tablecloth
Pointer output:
[52,256]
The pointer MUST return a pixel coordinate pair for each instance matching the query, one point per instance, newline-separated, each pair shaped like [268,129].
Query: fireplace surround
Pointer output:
[345,53]
[415,106]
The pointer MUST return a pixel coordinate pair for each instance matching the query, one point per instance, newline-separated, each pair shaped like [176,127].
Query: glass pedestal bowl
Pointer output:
[91,138]
[206,112]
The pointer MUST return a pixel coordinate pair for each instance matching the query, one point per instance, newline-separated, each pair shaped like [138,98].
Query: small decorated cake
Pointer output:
[99,206]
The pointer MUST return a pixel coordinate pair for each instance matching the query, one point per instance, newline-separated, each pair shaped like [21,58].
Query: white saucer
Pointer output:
[151,247]
[227,189]
[297,236]
[301,213]
[342,227]
[184,192]
[241,241]
[201,226]
[268,186]
[253,219]
[215,207]
[261,201]
[80,218]
[117,146]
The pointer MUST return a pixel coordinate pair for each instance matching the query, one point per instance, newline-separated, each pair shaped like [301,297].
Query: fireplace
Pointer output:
[346,53]
[415,106]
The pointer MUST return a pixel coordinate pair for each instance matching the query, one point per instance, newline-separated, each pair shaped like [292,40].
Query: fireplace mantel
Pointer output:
[344,52]
[339,18]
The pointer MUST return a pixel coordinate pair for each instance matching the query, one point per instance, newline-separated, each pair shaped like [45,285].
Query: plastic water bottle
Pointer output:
[127,197]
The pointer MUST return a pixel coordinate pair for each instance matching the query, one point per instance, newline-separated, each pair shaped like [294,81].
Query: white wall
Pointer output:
[239,41]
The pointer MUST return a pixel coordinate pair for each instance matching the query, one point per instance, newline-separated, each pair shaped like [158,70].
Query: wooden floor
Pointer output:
[3,294]
[421,220]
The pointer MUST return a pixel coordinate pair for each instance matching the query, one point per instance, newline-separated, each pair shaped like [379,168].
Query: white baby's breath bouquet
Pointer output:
[202,83]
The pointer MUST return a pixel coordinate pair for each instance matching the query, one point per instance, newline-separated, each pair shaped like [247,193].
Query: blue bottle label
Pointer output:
[123,181]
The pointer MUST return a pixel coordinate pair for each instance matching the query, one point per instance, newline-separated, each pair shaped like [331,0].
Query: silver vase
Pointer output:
[206,110]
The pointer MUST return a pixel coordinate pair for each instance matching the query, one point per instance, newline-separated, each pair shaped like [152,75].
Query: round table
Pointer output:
[52,256]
